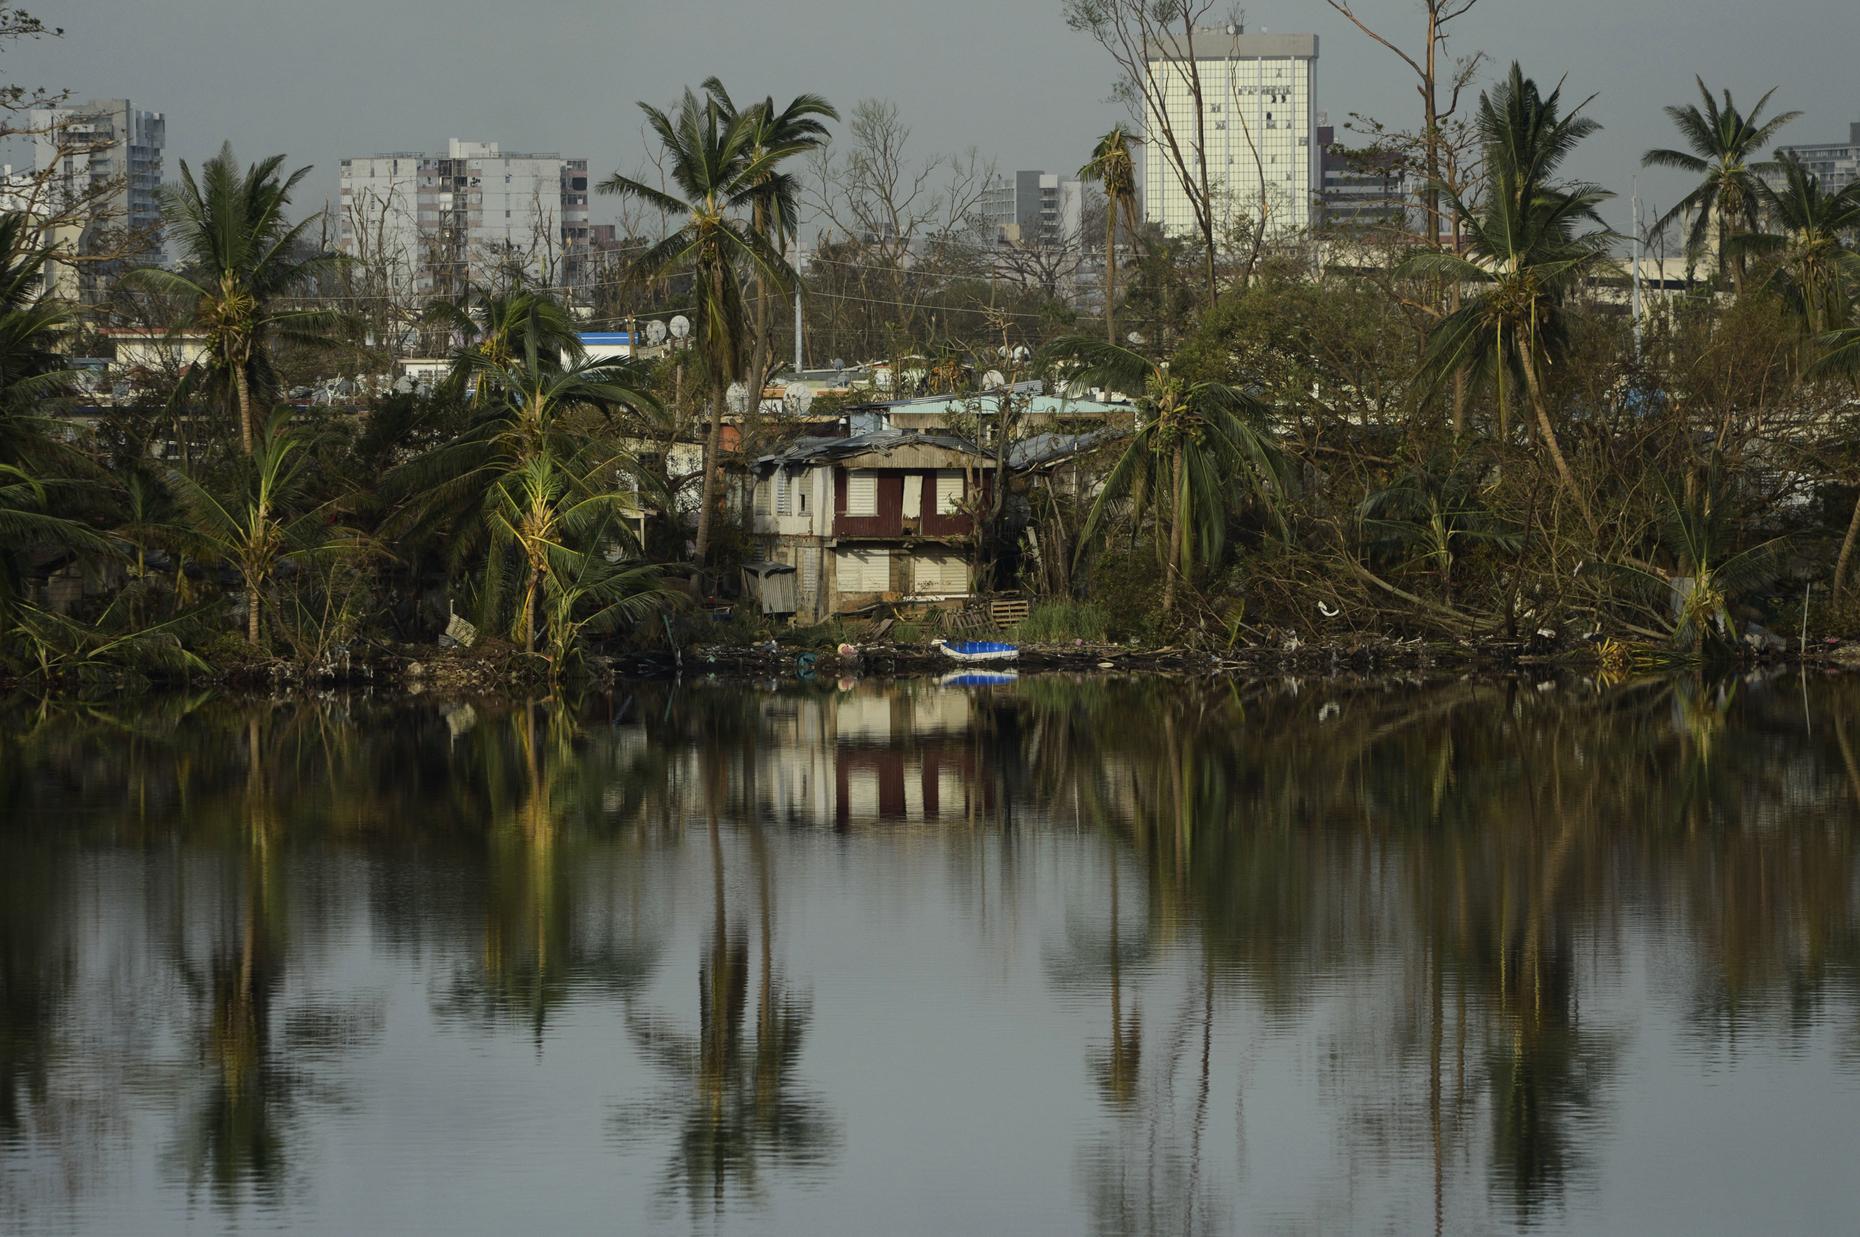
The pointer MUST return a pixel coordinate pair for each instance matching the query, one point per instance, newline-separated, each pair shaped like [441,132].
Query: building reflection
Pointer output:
[1471,869]
[874,755]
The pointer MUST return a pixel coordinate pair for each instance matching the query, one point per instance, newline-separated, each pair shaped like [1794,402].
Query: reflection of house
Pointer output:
[862,519]
[874,755]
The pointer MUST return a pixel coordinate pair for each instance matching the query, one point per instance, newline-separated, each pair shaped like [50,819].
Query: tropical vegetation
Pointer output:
[1348,437]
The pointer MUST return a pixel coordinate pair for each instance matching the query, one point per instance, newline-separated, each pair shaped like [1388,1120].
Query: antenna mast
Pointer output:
[1637,268]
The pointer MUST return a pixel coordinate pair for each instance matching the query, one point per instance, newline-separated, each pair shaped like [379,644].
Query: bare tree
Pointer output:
[1427,65]
[1153,43]
[895,224]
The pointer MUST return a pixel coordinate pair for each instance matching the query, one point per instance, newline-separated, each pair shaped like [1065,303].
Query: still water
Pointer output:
[1061,957]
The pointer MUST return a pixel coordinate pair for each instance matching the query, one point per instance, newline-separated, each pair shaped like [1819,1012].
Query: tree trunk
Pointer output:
[251,613]
[243,389]
[1542,411]
[713,445]
[530,596]
[1178,526]
[1110,272]
[1847,548]
[758,370]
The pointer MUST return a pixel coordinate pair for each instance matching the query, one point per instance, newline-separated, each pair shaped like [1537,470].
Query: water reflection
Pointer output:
[1202,957]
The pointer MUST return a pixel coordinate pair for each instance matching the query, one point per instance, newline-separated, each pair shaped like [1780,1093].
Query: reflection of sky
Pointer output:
[956,998]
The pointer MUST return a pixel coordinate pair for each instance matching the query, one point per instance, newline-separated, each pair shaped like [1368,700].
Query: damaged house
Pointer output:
[890,515]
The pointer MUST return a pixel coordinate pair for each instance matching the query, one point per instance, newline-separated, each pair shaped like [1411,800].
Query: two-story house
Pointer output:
[890,515]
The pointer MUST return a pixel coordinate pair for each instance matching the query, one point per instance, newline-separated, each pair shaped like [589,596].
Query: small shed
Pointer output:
[771,584]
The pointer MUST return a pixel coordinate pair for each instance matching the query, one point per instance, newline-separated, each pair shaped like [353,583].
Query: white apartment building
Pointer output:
[1258,95]
[433,224]
[1835,164]
[106,156]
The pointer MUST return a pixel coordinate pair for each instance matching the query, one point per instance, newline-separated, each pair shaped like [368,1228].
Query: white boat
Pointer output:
[976,650]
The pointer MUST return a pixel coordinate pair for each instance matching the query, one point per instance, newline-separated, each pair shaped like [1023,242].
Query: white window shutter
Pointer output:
[862,493]
[948,491]
[939,575]
[863,571]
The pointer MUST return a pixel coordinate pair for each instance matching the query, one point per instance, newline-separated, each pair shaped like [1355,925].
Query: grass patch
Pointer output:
[1056,622]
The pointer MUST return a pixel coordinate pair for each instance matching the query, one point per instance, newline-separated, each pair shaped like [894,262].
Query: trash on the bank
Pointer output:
[459,632]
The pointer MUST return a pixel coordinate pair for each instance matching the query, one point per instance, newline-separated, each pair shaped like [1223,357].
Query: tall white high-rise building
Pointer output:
[433,224]
[1258,104]
[97,166]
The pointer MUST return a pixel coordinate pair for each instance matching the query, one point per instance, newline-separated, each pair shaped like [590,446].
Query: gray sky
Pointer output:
[322,79]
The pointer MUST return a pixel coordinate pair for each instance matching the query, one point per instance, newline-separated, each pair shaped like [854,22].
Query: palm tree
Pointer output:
[534,408]
[563,525]
[1113,164]
[241,260]
[1698,530]
[1839,352]
[774,211]
[29,521]
[496,329]
[1815,264]
[258,530]
[1722,147]
[713,159]
[34,461]
[32,370]
[1530,241]
[1195,443]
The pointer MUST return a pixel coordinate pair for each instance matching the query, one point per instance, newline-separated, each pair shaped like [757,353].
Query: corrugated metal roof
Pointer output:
[807,449]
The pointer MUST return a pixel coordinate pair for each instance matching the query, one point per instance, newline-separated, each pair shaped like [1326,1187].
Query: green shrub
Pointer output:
[1126,588]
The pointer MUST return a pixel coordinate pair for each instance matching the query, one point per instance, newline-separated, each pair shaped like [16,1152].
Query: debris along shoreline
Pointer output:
[1292,657]
[495,667]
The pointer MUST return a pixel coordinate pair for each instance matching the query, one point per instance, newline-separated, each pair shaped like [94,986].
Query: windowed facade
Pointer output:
[1258,99]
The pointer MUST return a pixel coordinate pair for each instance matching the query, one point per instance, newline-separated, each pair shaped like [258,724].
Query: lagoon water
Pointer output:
[1113,957]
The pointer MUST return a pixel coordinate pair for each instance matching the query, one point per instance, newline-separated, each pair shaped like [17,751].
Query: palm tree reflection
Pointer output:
[731,1110]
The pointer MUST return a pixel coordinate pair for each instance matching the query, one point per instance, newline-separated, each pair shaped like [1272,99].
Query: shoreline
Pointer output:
[501,670]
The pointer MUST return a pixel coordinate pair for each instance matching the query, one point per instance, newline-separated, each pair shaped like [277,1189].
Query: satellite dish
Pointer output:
[681,326]
[1021,352]
[838,364]
[1135,337]
[655,332]
[882,377]
[994,378]
[798,397]
[737,397]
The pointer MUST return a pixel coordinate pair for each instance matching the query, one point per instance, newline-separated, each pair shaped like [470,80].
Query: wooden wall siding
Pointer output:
[934,525]
[889,522]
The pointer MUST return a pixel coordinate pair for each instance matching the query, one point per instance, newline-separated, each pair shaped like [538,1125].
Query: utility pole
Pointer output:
[1637,269]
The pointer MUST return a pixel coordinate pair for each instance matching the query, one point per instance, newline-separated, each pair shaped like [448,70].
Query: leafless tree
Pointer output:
[894,224]
[1434,73]
[1136,33]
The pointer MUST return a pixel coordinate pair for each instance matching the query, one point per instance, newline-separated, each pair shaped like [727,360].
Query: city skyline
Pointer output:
[1033,96]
